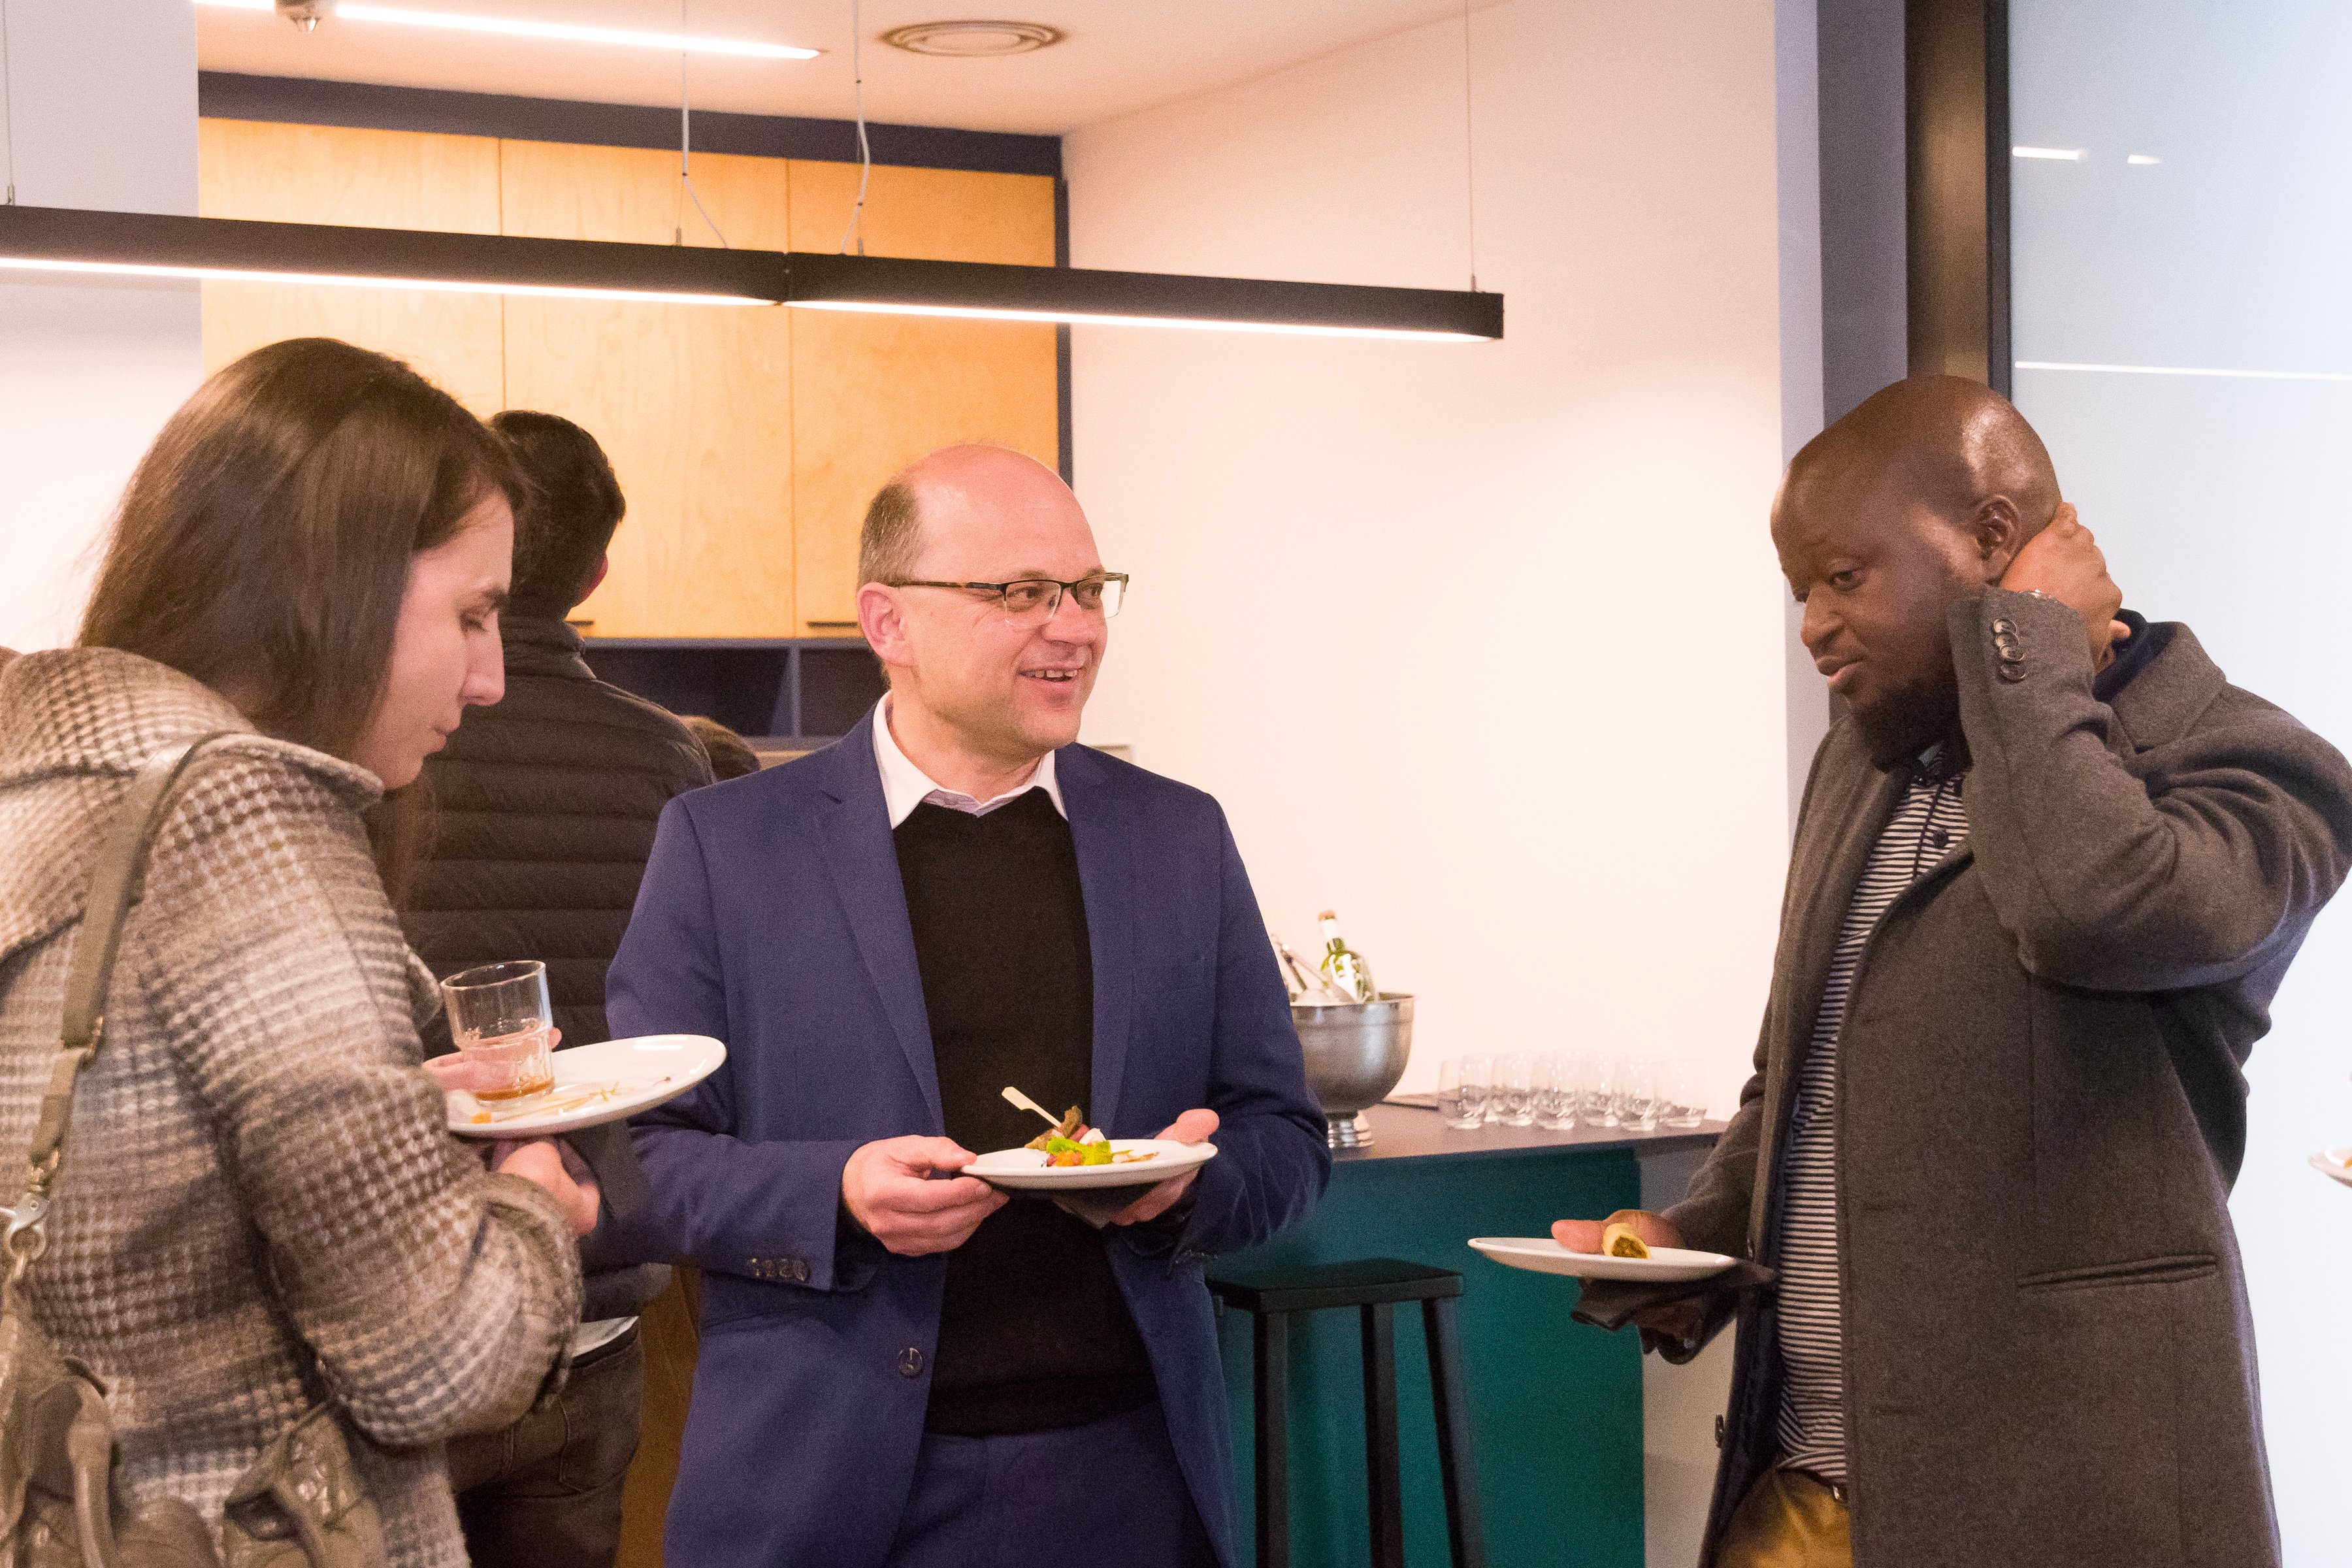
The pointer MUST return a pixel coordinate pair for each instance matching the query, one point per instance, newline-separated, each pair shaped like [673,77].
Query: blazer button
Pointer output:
[2011,672]
[910,1363]
[800,1270]
[2004,628]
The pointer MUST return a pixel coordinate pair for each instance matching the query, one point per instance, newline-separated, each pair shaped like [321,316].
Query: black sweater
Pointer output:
[1033,1333]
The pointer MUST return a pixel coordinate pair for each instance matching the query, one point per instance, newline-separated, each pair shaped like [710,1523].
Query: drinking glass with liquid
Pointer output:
[1515,1089]
[505,1031]
[1462,1085]
[1681,1102]
[1556,1092]
[1637,1095]
[1597,1089]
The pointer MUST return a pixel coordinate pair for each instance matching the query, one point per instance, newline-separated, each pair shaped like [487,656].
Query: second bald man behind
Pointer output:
[899,1366]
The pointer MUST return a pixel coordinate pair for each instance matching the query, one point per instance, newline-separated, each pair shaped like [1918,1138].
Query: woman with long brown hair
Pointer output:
[260,1208]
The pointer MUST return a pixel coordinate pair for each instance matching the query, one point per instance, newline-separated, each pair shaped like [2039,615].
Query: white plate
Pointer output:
[2337,1163]
[646,1071]
[1025,1169]
[1664,1266]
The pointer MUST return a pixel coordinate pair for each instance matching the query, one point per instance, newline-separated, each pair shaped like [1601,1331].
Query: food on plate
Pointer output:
[1618,1241]
[1073,1142]
[578,1097]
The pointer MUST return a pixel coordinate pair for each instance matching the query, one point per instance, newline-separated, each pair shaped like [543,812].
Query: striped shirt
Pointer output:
[1930,821]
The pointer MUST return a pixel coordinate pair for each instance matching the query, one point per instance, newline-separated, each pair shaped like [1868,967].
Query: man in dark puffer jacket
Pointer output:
[547,804]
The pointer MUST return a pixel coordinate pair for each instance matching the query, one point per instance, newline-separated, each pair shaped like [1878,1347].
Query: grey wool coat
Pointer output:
[2049,1361]
[260,1205]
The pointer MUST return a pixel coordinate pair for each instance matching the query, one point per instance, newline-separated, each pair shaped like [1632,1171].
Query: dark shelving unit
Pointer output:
[763,689]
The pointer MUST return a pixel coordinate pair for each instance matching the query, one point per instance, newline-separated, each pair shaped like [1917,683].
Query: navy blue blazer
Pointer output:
[771,917]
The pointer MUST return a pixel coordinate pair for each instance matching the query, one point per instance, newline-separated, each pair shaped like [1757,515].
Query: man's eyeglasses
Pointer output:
[1031,600]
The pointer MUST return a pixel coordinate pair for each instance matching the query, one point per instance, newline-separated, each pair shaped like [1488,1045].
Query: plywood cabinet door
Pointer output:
[377,179]
[873,393]
[692,402]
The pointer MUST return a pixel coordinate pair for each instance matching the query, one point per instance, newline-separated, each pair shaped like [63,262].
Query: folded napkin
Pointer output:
[1610,1304]
[1097,1206]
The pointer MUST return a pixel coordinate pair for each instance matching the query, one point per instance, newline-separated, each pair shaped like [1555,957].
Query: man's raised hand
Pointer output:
[2065,562]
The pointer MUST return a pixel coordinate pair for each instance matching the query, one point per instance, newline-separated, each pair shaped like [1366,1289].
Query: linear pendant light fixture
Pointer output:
[66,239]
[561,32]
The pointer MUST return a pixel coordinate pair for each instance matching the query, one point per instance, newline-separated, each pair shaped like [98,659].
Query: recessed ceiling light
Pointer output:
[2064,154]
[973,40]
[2142,159]
[307,16]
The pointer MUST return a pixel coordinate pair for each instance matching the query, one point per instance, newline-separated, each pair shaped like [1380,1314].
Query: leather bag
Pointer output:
[302,1504]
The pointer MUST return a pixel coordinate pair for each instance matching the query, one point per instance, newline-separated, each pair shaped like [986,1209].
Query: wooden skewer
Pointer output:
[1025,1103]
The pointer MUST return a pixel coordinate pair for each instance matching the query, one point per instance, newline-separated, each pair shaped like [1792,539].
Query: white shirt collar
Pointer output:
[906,786]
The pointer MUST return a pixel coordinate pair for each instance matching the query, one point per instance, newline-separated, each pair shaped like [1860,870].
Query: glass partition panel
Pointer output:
[2181,215]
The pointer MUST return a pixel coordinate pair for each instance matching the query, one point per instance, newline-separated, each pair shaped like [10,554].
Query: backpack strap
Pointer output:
[115,887]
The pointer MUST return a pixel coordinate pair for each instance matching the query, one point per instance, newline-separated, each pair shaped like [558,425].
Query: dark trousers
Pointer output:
[1106,1492]
[546,1492]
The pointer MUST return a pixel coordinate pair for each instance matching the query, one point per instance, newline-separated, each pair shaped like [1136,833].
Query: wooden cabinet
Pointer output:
[873,393]
[747,439]
[376,179]
[692,402]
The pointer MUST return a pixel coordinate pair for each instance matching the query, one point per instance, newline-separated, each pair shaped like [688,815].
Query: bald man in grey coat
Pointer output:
[2050,871]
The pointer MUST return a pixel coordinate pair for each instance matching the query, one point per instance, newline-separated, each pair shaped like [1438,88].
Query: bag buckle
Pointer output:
[27,1238]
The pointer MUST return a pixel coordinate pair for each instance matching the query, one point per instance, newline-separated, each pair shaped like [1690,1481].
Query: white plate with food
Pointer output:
[593,1085]
[1130,1162]
[1541,1254]
[2337,1163]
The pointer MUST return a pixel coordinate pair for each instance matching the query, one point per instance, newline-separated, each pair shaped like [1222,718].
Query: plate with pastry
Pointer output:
[1623,1256]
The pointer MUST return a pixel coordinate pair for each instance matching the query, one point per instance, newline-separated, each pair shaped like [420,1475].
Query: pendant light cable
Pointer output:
[865,148]
[9,104]
[1469,149]
[685,140]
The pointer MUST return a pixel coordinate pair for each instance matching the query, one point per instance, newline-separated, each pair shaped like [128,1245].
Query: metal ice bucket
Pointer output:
[1355,1054]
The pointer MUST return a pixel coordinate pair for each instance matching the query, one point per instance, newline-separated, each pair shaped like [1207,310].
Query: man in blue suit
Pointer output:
[898,1365]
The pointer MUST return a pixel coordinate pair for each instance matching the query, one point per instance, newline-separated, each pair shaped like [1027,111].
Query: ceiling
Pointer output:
[1118,57]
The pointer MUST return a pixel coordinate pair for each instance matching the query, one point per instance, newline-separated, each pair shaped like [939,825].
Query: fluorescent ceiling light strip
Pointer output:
[2186,370]
[336,279]
[565,32]
[2064,154]
[1082,318]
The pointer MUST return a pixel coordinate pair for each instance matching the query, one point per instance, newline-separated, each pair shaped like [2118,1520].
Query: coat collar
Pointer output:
[540,644]
[854,831]
[1104,832]
[74,725]
[100,711]
[2175,683]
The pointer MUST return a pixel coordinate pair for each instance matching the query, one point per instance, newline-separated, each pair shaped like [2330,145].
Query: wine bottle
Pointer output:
[1343,966]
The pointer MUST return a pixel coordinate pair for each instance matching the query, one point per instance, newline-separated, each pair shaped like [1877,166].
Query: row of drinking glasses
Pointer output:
[1596,1089]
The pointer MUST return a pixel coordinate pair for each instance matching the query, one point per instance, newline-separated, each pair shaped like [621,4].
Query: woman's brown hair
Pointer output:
[263,546]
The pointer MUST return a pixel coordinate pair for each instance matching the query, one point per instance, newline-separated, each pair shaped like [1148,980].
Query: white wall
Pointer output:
[1680,1405]
[1479,643]
[103,95]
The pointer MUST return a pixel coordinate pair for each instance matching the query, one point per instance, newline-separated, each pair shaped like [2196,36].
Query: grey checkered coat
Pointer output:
[259,1205]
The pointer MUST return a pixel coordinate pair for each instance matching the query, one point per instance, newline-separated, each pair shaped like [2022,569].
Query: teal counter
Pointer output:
[1555,1407]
